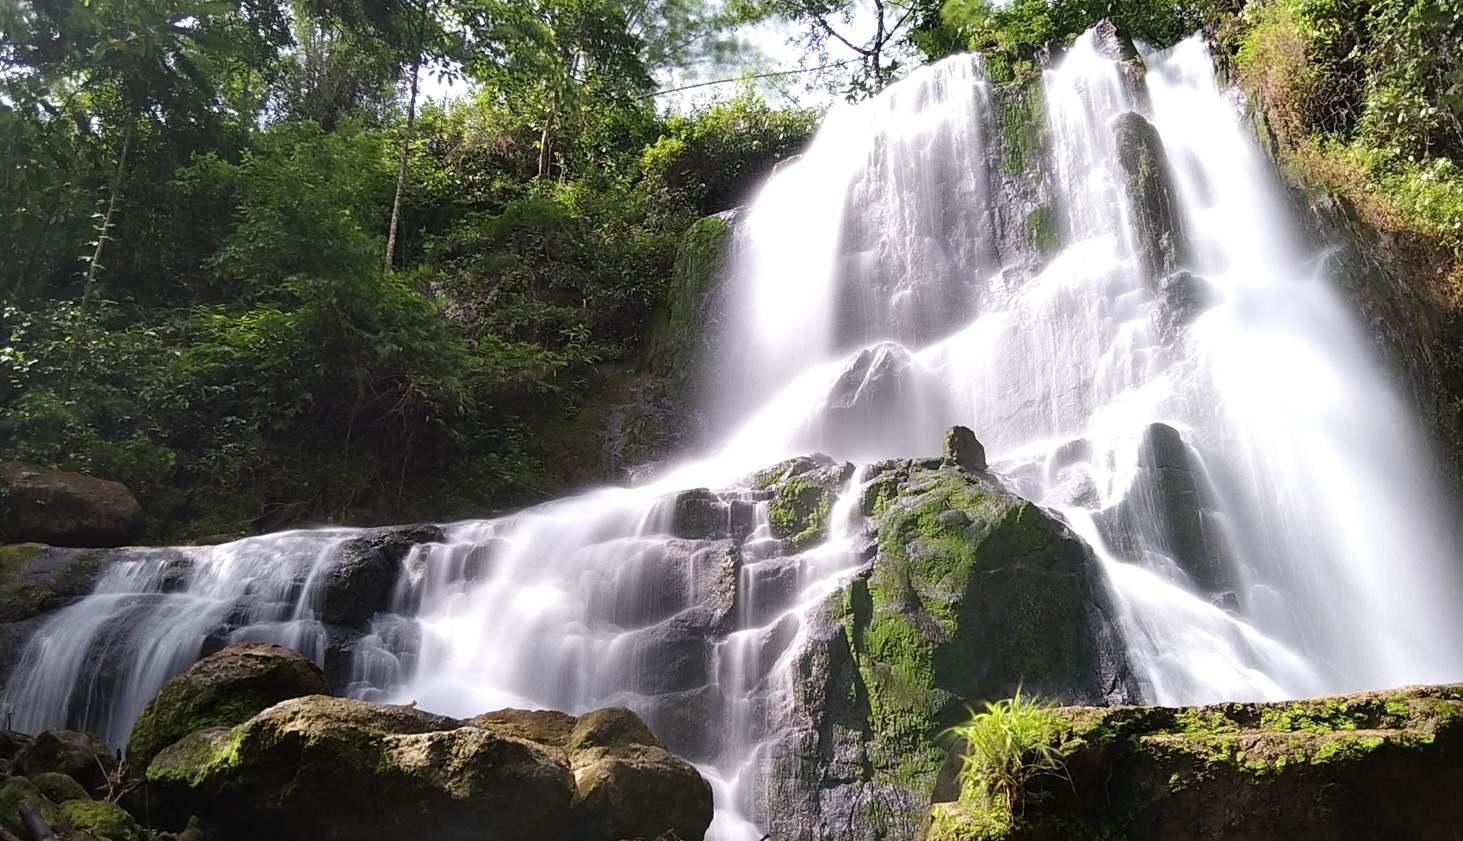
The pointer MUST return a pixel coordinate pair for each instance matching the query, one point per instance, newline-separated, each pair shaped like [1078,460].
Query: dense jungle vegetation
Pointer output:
[252,271]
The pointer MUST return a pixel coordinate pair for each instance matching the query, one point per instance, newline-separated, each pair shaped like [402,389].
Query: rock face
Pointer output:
[964,450]
[65,509]
[971,592]
[221,690]
[361,576]
[1351,767]
[1170,511]
[684,335]
[1157,218]
[331,768]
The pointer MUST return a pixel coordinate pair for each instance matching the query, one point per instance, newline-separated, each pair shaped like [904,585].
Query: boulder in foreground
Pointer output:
[344,770]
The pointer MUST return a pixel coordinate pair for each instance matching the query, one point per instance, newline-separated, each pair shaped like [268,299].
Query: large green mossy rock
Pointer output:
[1345,768]
[221,690]
[970,592]
[335,768]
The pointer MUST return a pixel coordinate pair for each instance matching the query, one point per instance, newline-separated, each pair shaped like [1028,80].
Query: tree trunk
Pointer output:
[546,138]
[96,256]
[411,119]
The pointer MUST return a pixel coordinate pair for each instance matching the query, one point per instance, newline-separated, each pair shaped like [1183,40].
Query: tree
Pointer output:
[877,43]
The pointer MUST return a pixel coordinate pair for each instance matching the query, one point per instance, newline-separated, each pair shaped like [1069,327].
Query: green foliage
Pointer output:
[1014,741]
[1374,88]
[714,157]
[1013,35]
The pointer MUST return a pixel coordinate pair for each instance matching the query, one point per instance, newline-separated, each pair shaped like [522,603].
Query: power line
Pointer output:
[769,75]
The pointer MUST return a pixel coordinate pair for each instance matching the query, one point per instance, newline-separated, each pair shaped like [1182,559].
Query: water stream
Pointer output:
[885,288]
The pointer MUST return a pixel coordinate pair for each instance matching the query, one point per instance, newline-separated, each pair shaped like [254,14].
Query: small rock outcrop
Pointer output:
[1349,768]
[221,690]
[359,581]
[332,768]
[1158,225]
[38,505]
[964,450]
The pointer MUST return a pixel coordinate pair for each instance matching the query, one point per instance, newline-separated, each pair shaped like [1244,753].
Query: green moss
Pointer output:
[106,821]
[1021,115]
[18,790]
[1345,748]
[1041,230]
[800,512]
[1316,716]
[1204,721]
[194,758]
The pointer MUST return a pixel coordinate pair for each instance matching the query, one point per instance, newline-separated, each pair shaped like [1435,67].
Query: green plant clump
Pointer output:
[1012,743]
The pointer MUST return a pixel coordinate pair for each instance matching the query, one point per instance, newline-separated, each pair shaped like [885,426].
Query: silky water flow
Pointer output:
[885,287]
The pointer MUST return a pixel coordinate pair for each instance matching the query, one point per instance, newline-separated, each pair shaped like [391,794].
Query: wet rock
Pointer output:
[1350,767]
[65,509]
[804,490]
[363,572]
[221,690]
[1181,296]
[877,385]
[1158,225]
[1115,44]
[972,593]
[700,515]
[962,449]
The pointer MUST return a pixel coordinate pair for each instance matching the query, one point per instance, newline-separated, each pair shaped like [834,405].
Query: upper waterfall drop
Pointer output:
[1160,362]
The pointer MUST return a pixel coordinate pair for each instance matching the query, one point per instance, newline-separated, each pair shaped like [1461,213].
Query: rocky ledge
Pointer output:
[1364,766]
[233,749]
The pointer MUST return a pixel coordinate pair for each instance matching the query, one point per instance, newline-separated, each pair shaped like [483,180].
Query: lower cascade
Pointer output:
[1192,482]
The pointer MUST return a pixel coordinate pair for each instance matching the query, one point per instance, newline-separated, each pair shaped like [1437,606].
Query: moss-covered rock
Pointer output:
[81,756]
[221,690]
[684,334]
[1158,224]
[58,787]
[17,791]
[102,820]
[333,768]
[803,493]
[971,592]
[1364,766]
[36,579]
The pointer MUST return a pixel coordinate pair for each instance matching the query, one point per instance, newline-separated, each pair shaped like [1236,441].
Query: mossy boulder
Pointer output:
[81,756]
[971,592]
[65,509]
[17,791]
[221,690]
[334,768]
[1157,218]
[58,787]
[1362,766]
[102,820]
[803,492]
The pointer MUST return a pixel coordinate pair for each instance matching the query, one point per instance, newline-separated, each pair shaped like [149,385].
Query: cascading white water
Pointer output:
[885,290]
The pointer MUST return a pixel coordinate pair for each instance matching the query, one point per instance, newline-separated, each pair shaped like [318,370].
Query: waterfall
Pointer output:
[951,252]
